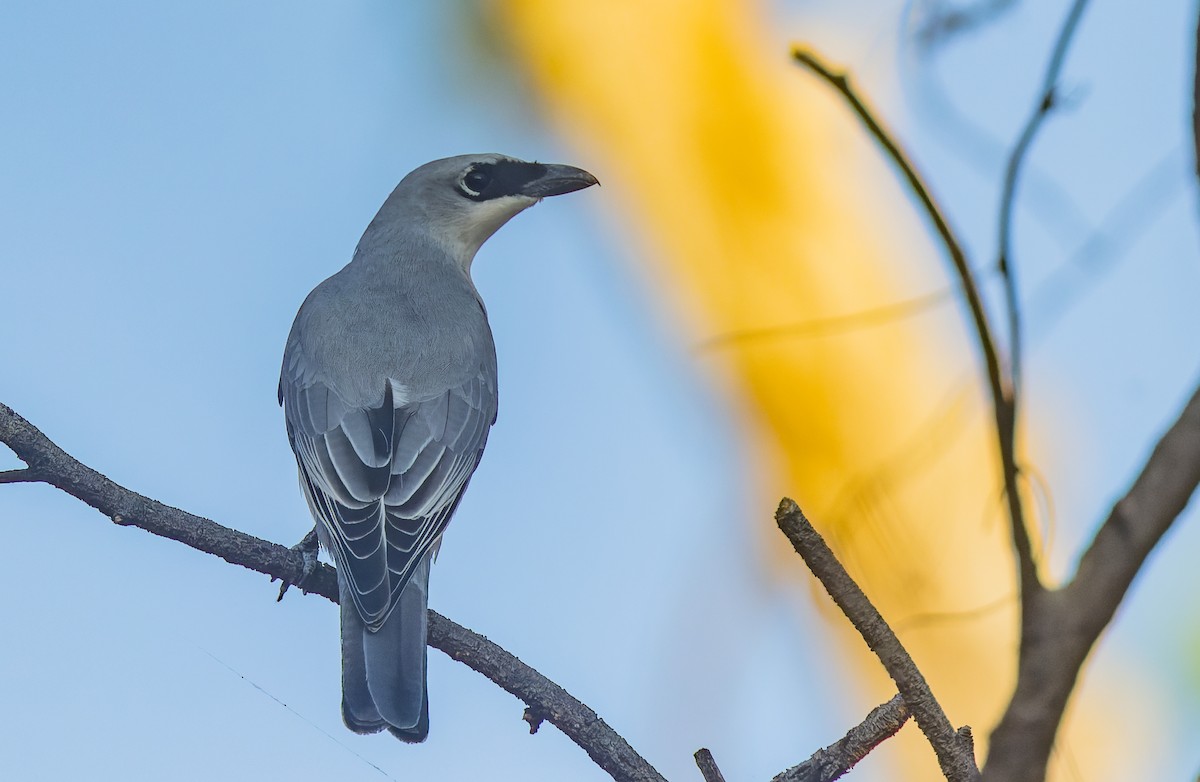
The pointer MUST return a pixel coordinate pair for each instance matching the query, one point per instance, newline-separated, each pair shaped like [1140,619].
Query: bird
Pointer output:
[389,390]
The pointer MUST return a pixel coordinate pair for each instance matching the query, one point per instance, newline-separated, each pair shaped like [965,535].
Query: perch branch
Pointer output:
[999,379]
[52,465]
[955,755]
[834,761]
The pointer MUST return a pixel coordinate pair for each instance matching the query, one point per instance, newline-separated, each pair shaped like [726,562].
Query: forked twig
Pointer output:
[955,755]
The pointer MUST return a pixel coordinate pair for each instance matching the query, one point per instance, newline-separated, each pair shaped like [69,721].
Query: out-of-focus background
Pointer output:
[749,307]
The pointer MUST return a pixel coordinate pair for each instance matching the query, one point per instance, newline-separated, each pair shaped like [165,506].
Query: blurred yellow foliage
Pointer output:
[766,209]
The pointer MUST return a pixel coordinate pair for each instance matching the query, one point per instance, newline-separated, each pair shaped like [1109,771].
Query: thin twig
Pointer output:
[957,761]
[1047,101]
[999,380]
[1196,104]
[575,719]
[975,144]
[834,761]
[708,766]
[834,324]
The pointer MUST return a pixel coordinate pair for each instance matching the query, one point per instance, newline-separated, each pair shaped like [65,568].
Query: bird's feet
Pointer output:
[307,547]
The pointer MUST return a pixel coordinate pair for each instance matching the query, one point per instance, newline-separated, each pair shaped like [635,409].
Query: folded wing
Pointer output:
[384,480]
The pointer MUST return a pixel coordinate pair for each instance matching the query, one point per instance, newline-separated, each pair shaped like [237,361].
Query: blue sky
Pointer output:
[176,177]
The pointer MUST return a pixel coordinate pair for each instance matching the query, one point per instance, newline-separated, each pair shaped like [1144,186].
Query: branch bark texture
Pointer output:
[834,761]
[708,766]
[48,463]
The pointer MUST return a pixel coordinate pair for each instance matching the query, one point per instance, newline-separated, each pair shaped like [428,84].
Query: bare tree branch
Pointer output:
[999,379]
[834,761]
[955,756]
[1047,100]
[1061,628]
[51,464]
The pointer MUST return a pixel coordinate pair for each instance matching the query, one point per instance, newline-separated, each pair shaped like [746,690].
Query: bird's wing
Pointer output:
[384,480]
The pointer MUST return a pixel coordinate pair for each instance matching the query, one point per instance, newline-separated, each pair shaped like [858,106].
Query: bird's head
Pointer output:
[463,200]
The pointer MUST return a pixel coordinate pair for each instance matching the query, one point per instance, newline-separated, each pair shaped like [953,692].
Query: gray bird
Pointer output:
[389,389]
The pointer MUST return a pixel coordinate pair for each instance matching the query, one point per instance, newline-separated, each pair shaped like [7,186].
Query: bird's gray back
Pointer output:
[409,315]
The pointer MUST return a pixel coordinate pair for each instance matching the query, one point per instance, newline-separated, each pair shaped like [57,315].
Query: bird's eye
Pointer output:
[475,181]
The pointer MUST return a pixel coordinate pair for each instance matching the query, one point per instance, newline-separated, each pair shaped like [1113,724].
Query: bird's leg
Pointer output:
[307,547]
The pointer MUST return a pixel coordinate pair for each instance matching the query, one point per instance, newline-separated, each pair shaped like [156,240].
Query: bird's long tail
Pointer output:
[383,672]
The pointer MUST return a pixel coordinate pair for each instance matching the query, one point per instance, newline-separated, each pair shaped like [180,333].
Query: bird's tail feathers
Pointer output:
[383,672]
[395,658]
[358,707]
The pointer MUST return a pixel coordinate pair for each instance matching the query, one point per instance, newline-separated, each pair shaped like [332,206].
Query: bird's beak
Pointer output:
[557,180]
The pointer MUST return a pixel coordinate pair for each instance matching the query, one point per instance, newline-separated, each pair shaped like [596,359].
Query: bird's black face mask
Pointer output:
[485,181]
